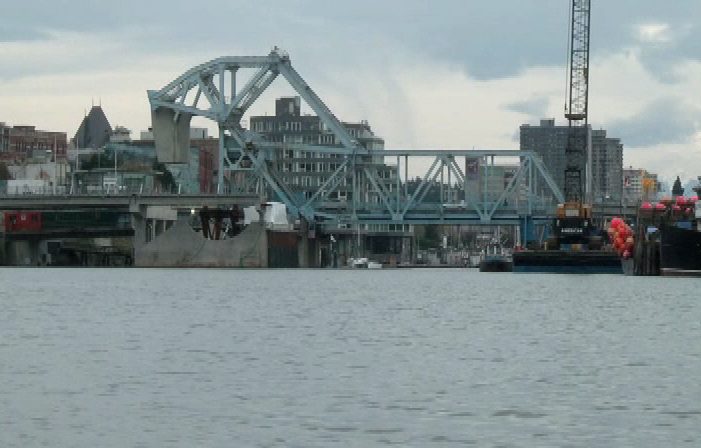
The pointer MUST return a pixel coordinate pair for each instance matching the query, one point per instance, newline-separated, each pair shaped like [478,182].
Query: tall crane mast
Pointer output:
[577,102]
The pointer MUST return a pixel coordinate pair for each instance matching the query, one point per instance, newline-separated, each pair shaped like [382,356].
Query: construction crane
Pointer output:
[576,245]
[573,223]
[577,101]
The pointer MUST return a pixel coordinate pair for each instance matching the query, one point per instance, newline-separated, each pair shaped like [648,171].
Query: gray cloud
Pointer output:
[534,107]
[485,39]
[665,121]
[15,33]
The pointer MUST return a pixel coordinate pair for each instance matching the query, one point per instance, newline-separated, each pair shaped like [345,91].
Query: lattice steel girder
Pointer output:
[519,192]
[228,110]
[213,66]
[577,111]
[372,195]
[229,113]
[510,189]
[322,111]
[579,60]
[465,219]
[398,206]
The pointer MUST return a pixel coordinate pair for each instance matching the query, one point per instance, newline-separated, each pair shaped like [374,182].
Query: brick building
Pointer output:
[19,143]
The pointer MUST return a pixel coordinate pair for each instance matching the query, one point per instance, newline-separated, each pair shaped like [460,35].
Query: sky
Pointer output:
[441,74]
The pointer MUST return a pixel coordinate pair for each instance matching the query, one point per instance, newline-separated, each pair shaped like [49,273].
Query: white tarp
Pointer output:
[275,214]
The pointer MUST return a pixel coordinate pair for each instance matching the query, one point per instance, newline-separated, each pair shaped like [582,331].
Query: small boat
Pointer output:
[359,263]
[364,263]
[495,260]
[374,265]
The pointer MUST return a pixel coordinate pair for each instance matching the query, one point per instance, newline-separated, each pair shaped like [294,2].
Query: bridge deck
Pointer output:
[35,202]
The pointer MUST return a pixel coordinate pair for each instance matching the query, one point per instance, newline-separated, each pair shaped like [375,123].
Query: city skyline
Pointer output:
[450,75]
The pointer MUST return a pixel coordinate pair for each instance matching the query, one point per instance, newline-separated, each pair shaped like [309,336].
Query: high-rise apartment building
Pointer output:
[549,142]
[603,173]
[606,168]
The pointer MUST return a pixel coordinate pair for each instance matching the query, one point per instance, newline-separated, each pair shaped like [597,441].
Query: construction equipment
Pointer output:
[573,223]
[575,246]
[577,101]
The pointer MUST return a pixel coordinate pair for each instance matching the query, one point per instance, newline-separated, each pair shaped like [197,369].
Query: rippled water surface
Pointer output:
[417,358]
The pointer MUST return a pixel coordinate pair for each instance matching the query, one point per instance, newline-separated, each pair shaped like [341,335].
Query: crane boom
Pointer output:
[577,105]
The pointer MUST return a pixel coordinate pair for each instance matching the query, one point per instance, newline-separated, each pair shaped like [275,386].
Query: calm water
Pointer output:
[221,358]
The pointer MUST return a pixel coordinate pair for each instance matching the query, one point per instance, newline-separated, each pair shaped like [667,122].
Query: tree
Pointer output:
[5,172]
[429,236]
[677,189]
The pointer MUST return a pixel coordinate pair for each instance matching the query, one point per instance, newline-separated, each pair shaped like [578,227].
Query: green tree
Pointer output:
[4,172]
[430,237]
[677,189]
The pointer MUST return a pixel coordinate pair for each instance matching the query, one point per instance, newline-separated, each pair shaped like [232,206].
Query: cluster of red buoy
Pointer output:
[680,206]
[621,236]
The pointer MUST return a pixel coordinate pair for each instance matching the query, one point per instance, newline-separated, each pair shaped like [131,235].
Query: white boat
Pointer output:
[358,263]
[374,265]
[364,263]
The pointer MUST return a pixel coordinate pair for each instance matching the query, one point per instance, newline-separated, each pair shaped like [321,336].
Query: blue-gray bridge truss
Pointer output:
[360,186]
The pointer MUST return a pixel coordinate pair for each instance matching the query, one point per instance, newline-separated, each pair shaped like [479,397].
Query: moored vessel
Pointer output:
[495,259]
[680,238]
[668,240]
[680,251]
[568,262]
[575,248]
[496,263]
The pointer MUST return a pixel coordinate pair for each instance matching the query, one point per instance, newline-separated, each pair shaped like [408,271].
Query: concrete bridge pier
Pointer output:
[151,221]
[22,253]
[306,246]
[164,239]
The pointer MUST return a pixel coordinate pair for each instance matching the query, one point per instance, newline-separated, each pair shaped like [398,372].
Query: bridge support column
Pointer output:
[3,251]
[527,230]
[407,255]
[303,248]
[22,253]
[138,222]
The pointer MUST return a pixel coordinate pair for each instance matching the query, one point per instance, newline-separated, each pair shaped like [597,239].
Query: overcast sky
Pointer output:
[439,74]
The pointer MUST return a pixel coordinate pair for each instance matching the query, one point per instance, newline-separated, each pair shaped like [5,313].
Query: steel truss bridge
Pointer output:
[358,185]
